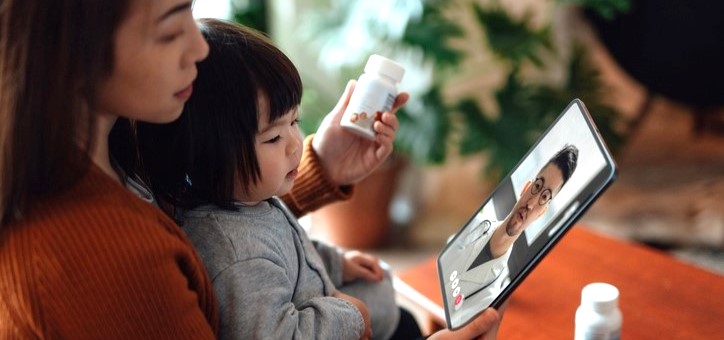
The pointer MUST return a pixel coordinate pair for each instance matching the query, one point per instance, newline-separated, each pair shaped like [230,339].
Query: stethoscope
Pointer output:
[480,230]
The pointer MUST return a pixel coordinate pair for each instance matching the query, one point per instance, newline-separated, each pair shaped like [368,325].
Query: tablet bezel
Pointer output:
[584,199]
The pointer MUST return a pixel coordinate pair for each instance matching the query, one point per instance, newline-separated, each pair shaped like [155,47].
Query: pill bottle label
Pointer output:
[369,100]
[590,334]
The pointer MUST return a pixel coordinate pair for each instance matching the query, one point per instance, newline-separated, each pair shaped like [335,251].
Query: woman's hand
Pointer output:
[484,326]
[346,157]
[358,265]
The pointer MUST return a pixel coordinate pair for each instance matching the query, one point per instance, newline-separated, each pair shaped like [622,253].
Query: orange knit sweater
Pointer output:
[97,262]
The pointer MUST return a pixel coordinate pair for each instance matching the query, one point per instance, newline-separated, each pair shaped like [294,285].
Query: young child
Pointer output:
[222,165]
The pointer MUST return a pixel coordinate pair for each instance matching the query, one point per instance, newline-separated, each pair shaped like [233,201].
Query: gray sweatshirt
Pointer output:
[270,280]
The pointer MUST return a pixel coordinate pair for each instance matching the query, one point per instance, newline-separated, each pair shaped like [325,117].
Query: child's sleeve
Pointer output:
[333,259]
[312,189]
[255,302]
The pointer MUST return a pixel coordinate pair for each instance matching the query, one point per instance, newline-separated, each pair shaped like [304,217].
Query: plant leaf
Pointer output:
[509,39]
[431,35]
[423,133]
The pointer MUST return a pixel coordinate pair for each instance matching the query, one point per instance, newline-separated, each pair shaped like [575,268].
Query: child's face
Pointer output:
[278,152]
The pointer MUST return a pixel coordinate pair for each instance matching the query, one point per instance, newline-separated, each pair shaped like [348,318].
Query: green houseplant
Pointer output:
[441,50]
[518,48]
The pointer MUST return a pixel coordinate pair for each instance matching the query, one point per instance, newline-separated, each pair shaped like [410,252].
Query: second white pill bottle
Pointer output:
[374,94]
[598,316]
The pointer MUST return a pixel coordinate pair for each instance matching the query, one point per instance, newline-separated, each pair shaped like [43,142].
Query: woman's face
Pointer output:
[156,50]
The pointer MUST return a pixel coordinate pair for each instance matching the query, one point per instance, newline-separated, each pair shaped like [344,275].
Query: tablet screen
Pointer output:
[559,177]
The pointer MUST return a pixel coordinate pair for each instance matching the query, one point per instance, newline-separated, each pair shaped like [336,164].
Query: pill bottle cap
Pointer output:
[386,67]
[602,297]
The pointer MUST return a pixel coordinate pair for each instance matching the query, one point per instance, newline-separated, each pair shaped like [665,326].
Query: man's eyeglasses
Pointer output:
[537,188]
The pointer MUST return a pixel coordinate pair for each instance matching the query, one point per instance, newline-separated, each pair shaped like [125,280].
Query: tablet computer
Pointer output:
[566,169]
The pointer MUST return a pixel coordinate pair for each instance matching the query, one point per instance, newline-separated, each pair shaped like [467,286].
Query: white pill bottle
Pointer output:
[374,94]
[598,316]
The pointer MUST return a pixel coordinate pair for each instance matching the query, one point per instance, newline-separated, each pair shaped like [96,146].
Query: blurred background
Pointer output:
[486,78]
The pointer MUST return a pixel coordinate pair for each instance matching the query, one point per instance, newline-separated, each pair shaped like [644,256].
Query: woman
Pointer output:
[82,256]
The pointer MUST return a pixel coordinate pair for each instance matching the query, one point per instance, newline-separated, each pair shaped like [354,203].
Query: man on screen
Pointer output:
[483,268]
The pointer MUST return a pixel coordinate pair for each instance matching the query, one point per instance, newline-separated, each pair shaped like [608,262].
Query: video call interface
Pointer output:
[528,209]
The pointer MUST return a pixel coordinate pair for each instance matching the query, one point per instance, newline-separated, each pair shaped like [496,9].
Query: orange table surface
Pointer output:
[660,297]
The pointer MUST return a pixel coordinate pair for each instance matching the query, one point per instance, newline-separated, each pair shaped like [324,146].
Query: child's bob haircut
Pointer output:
[197,159]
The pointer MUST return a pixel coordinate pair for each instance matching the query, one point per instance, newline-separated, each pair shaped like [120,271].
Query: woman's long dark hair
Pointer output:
[53,57]
[198,158]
